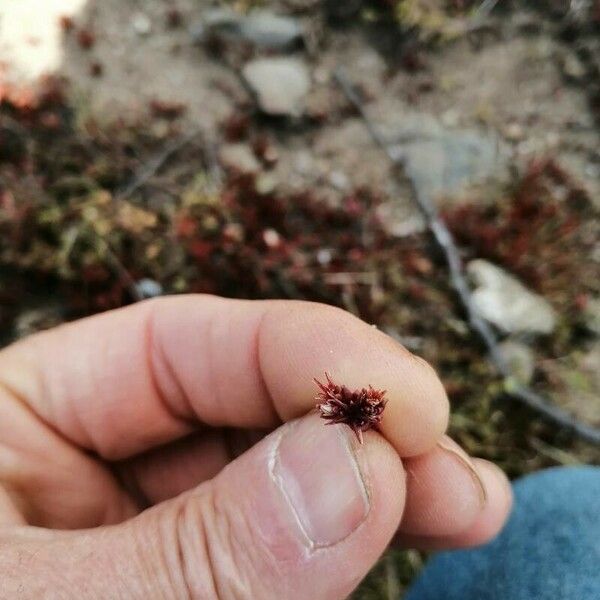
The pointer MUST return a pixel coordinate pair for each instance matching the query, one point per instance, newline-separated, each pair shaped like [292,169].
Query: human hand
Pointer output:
[134,462]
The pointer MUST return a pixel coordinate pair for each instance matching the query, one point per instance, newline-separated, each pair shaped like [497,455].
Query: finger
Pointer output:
[445,491]
[9,513]
[486,525]
[279,522]
[52,483]
[300,340]
[123,382]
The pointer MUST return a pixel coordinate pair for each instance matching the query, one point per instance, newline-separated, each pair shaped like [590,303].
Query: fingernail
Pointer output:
[500,476]
[318,470]
[449,446]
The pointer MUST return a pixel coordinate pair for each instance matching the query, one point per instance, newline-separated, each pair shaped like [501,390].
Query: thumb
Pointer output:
[303,514]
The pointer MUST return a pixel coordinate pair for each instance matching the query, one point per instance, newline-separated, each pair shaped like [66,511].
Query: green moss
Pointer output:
[430,18]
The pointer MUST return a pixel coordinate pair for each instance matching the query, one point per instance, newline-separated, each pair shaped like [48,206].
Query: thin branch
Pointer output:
[484,9]
[119,268]
[150,168]
[446,242]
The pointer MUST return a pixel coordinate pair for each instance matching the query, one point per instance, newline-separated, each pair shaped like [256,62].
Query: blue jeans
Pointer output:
[550,549]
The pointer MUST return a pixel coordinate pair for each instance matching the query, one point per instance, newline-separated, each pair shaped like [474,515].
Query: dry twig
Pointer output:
[150,168]
[446,242]
[484,9]
[119,269]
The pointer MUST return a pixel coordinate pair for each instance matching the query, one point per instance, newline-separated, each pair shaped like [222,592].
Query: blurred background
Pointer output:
[170,146]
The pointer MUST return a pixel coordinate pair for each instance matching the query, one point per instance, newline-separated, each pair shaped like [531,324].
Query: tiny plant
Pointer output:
[360,409]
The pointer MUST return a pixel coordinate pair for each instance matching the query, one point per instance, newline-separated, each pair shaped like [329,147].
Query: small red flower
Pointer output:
[359,409]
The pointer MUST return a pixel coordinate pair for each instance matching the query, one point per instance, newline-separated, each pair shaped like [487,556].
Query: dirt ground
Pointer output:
[510,81]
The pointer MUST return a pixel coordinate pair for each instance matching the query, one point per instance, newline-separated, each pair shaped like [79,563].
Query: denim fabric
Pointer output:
[549,550]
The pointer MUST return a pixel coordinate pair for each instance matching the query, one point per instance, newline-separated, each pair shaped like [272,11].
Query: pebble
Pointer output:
[269,30]
[271,238]
[261,28]
[324,256]
[505,302]
[519,359]
[141,23]
[572,67]
[513,132]
[339,181]
[400,220]
[280,84]
[239,158]
[149,288]
[265,184]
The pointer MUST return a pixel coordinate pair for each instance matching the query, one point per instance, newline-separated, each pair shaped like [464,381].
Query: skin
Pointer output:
[135,460]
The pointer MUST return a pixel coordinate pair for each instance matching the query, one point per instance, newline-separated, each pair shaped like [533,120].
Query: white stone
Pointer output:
[280,84]
[149,288]
[262,28]
[339,180]
[270,30]
[141,23]
[505,302]
[519,359]
[240,158]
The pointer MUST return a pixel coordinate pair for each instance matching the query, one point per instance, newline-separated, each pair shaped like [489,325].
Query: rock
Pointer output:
[324,256]
[271,238]
[572,67]
[441,160]
[280,84]
[339,180]
[514,132]
[265,184]
[505,302]
[240,158]
[519,359]
[591,315]
[141,23]
[272,31]
[149,288]
[259,27]
[399,219]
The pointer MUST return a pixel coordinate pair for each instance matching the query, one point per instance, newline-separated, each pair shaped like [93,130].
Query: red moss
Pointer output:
[174,18]
[86,38]
[360,409]
[96,69]
[66,23]
[236,127]
[535,233]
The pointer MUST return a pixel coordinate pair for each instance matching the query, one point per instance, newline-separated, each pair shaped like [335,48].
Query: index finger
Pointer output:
[122,382]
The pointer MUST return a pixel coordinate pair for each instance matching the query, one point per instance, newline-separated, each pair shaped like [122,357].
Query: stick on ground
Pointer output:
[445,241]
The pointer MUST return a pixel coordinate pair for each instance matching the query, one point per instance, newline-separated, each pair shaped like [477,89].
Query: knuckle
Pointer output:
[219,552]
